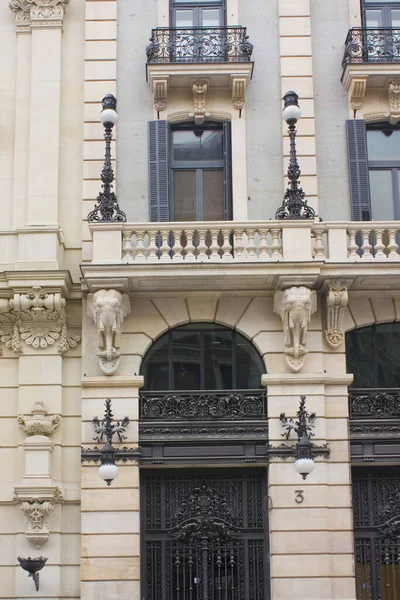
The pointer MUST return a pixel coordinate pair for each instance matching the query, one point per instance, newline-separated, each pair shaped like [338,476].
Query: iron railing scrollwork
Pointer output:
[197,45]
[374,403]
[203,406]
[372,46]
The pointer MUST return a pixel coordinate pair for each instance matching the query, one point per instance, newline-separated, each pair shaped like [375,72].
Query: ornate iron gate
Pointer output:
[376,503]
[204,535]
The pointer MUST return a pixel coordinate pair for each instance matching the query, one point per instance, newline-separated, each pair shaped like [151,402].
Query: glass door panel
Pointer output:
[374,18]
[213,195]
[210,17]
[185,195]
[395,18]
[184,18]
[381,188]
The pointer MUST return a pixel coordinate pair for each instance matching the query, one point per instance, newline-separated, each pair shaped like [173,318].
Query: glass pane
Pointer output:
[184,18]
[373,18]
[382,146]
[218,360]
[395,18]
[187,360]
[198,144]
[210,17]
[249,365]
[360,357]
[156,366]
[213,195]
[374,1]
[185,202]
[387,345]
[197,2]
[381,189]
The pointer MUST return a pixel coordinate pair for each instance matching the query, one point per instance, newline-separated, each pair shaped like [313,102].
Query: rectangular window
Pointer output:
[381,14]
[197,13]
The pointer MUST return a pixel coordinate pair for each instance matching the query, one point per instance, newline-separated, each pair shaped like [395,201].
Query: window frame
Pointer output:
[386,165]
[197,6]
[385,7]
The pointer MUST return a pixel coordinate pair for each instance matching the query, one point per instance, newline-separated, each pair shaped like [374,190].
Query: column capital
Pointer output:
[30,14]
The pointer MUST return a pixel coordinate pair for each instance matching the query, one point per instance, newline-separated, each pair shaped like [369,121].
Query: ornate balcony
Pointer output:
[210,57]
[371,58]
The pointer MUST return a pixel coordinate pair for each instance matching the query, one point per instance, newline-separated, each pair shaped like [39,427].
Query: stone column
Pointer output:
[110,515]
[311,530]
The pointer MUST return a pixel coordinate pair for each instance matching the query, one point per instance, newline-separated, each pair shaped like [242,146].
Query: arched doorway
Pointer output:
[373,355]
[203,410]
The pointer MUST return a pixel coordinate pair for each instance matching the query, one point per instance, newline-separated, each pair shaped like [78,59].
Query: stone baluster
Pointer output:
[379,245]
[226,246]
[366,246]
[202,246]
[214,247]
[177,248]
[353,246]
[392,245]
[251,247]
[276,245]
[239,245]
[152,249]
[165,247]
[263,245]
[140,247]
[189,248]
[127,250]
[319,248]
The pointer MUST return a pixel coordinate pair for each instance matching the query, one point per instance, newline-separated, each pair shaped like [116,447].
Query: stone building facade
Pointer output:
[200,316]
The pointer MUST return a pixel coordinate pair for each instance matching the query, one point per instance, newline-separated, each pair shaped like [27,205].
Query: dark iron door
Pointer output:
[204,535]
[376,504]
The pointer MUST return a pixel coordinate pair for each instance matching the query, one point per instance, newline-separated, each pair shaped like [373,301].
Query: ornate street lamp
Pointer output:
[107,208]
[107,455]
[294,206]
[304,451]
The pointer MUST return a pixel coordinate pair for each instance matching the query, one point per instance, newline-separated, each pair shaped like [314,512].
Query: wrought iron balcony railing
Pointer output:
[199,45]
[383,403]
[372,46]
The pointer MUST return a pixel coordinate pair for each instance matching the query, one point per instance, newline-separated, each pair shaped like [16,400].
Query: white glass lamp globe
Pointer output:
[108,115]
[108,472]
[304,466]
[291,113]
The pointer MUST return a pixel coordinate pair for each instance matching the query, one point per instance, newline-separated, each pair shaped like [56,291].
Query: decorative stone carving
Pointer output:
[238,92]
[38,13]
[336,302]
[22,11]
[39,423]
[37,319]
[160,92]
[36,520]
[295,306]
[108,308]
[199,89]
[394,101]
[357,93]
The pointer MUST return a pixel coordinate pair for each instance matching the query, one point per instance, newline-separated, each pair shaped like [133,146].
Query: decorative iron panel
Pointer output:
[374,404]
[376,506]
[204,535]
[372,46]
[198,45]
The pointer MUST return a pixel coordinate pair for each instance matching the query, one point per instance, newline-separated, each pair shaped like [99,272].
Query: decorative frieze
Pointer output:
[37,13]
[336,302]
[37,319]
[295,307]
[108,309]
[39,422]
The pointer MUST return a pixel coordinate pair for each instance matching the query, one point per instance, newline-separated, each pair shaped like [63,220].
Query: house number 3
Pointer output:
[299,498]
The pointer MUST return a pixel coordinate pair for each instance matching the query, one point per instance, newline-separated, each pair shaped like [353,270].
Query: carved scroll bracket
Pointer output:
[336,302]
[108,309]
[37,510]
[295,307]
[199,90]
[357,93]
[37,319]
[394,101]
[239,92]
[160,93]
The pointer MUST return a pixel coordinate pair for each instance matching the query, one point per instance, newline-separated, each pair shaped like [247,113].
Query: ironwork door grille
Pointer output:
[376,504]
[204,535]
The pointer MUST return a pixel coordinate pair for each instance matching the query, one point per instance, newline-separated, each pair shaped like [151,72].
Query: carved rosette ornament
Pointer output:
[38,13]
[295,307]
[39,422]
[37,319]
[336,302]
[108,309]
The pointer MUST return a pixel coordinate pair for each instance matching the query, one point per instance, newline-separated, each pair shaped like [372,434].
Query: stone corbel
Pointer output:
[160,93]
[39,422]
[357,93]
[36,520]
[108,308]
[394,101]
[37,319]
[336,302]
[238,92]
[295,307]
[38,13]
[199,89]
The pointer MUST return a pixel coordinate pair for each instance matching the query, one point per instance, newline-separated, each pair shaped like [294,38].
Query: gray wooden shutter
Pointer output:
[357,155]
[228,207]
[159,170]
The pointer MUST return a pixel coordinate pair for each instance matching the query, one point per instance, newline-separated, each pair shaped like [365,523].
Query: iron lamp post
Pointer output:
[107,209]
[294,206]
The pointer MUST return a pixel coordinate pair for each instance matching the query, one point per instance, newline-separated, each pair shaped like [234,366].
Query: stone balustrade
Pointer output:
[246,241]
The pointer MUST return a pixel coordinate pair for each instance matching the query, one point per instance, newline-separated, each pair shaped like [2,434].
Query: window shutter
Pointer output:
[357,155]
[228,208]
[159,170]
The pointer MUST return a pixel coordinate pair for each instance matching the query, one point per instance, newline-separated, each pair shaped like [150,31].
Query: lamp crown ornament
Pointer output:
[294,204]
[107,208]
[304,424]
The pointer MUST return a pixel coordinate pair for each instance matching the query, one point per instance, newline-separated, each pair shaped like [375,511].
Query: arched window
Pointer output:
[202,356]
[373,356]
